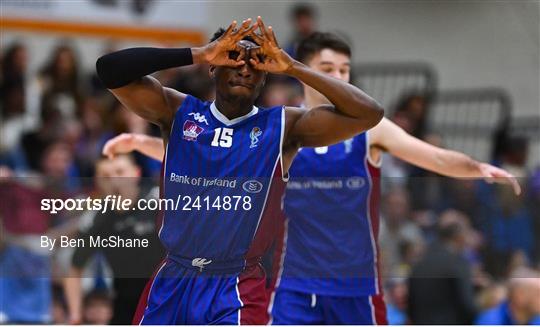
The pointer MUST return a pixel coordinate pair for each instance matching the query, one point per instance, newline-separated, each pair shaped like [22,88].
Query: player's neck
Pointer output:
[234,108]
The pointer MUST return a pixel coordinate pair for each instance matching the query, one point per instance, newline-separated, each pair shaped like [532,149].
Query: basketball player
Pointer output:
[221,160]
[330,273]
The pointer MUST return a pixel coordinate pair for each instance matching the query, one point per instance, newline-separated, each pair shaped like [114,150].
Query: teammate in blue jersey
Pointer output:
[223,165]
[331,270]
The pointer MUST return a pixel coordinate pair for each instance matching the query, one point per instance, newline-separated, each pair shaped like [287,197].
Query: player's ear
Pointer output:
[212,71]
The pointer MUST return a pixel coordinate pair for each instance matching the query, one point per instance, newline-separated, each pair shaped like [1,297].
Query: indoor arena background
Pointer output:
[459,74]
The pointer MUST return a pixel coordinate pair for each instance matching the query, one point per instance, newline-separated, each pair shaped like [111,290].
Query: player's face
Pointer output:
[332,63]
[244,82]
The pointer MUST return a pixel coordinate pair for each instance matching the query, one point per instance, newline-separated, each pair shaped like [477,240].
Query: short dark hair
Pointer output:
[319,41]
[222,31]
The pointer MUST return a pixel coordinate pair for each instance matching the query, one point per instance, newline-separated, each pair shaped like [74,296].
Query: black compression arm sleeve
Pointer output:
[120,68]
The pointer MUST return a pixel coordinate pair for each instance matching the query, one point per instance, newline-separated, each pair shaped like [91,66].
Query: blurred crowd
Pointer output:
[477,242]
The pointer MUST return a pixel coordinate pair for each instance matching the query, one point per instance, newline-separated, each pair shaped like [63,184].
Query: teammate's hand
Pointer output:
[123,143]
[225,51]
[269,56]
[493,174]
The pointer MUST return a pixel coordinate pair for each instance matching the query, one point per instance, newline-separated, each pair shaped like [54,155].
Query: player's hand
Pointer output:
[123,143]
[493,174]
[225,51]
[269,56]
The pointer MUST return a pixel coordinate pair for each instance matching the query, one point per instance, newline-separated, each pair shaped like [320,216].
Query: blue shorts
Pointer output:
[180,295]
[297,308]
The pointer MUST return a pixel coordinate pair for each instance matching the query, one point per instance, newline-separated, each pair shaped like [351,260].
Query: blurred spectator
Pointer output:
[98,308]
[94,135]
[280,91]
[506,223]
[24,283]
[96,87]
[61,88]
[194,80]
[398,234]
[14,66]
[415,107]
[26,265]
[58,165]
[396,301]
[125,121]
[505,220]
[440,288]
[523,304]
[14,118]
[131,267]
[303,18]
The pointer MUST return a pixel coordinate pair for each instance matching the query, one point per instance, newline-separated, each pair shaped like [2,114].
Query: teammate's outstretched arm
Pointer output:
[128,142]
[392,138]
[125,73]
[352,111]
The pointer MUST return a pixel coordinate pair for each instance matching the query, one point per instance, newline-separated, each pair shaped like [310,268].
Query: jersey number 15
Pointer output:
[223,137]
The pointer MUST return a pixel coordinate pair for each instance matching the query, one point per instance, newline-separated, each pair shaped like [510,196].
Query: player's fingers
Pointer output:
[256,55]
[254,27]
[109,153]
[106,149]
[246,26]
[257,38]
[262,28]
[233,63]
[272,36]
[256,64]
[240,32]
[230,29]
[242,54]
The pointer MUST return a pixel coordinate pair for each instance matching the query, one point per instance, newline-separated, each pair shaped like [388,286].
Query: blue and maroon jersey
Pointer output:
[331,206]
[219,175]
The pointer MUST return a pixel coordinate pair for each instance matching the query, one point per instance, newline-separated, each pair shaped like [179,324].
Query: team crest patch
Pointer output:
[191,130]
[254,136]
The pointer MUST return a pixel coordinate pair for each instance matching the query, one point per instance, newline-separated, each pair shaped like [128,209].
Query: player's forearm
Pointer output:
[348,99]
[122,67]
[149,146]
[456,164]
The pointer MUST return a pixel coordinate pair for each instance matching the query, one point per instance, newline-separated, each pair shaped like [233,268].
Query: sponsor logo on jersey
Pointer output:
[200,263]
[254,136]
[198,117]
[355,183]
[191,130]
[252,186]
